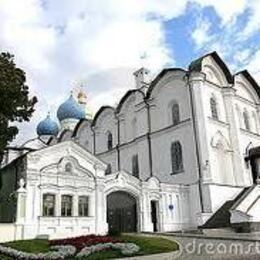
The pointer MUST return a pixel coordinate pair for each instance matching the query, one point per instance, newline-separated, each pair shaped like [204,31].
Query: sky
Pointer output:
[98,44]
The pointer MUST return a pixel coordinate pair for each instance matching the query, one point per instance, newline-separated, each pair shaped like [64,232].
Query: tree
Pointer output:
[15,104]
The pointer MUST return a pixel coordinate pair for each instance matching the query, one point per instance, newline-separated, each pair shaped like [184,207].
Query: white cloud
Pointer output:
[253,65]
[253,24]
[60,42]
[201,33]
[227,10]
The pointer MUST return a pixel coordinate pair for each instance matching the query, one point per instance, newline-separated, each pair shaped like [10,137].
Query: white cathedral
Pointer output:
[181,152]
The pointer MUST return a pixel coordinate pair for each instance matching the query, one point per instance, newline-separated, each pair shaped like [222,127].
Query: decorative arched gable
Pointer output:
[105,122]
[165,76]
[246,87]
[222,159]
[219,140]
[67,165]
[65,135]
[102,113]
[83,133]
[131,96]
[214,67]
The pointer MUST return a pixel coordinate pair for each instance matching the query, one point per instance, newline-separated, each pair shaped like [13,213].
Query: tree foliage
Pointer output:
[15,103]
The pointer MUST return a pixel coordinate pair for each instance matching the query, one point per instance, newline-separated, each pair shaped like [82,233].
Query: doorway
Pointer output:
[121,212]
[154,215]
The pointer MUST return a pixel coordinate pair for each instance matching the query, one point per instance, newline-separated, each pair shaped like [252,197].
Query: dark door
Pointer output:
[154,215]
[121,212]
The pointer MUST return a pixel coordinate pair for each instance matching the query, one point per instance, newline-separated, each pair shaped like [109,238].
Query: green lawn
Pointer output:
[148,245]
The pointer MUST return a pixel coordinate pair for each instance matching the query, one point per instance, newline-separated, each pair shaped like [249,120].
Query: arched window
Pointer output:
[246,120]
[175,114]
[213,108]
[176,156]
[68,167]
[134,130]
[135,166]
[109,141]
[108,169]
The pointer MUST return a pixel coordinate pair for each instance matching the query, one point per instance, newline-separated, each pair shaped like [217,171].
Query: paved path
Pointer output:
[209,249]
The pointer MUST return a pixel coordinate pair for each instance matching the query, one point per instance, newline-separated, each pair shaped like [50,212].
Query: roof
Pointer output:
[159,77]
[78,125]
[99,112]
[251,80]
[125,97]
[196,65]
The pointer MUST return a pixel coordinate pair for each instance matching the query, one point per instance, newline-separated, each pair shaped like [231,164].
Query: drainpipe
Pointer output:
[94,140]
[118,144]
[149,138]
[195,131]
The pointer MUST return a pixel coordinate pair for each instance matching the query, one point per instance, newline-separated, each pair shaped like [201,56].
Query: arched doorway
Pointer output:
[121,212]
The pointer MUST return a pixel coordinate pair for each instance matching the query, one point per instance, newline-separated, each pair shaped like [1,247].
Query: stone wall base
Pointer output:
[246,227]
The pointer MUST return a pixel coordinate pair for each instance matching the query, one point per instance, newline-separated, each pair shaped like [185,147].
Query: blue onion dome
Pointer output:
[47,127]
[70,109]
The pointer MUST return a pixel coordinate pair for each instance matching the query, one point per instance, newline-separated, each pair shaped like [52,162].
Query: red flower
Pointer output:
[82,241]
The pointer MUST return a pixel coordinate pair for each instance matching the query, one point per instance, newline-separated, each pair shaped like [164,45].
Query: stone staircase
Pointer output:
[221,218]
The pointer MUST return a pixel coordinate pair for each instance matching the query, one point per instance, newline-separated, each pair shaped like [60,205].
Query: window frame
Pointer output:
[176,157]
[54,205]
[109,141]
[108,169]
[214,108]
[85,214]
[135,166]
[175,113]
[246,120]
[65,214]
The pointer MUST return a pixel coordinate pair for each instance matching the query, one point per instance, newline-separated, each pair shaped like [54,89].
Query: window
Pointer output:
[108,169]
[176,156]
[135,166]
[66,205]
[83,206]
[213,108]
[109,141]
[48,205]
[134,128]
[246,120]
[175,114]
[68,167]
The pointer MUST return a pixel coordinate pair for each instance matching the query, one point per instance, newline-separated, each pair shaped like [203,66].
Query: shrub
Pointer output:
[114,232]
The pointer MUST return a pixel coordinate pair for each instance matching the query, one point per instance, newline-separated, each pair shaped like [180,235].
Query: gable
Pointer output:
[55,156]
[245,89]
[214,67]
[213,71]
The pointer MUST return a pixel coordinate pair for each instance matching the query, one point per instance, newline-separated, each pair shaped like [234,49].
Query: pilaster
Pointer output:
[228,94]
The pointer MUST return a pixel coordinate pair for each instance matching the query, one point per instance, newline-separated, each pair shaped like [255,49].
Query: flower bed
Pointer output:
[127,249]
[83,241]
[58,253]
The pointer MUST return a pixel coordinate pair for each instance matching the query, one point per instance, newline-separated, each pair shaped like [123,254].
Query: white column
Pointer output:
[100,200]
[75,205]
[91,201]
[21,204]
[233,134]
[197,81]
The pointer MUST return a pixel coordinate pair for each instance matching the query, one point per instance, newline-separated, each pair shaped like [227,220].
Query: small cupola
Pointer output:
[47,127]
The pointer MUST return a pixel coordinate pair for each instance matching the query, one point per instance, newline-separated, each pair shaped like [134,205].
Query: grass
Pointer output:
[148,245]
[30,246]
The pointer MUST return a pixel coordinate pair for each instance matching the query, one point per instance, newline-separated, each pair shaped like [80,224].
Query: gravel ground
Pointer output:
[203,248]
[209,249]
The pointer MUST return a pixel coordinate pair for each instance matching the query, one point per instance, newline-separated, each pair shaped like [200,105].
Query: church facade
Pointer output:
[174,155]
